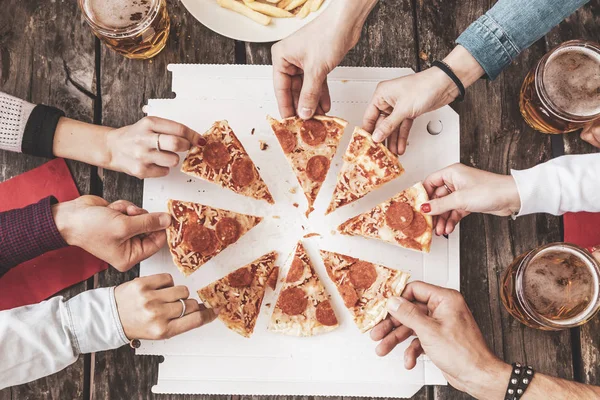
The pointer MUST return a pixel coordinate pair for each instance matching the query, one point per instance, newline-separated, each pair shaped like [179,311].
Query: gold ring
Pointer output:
[158,142]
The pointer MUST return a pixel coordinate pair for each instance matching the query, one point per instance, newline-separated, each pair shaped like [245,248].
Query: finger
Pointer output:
[370,118]
[282,84]
[310,93]
[394,338]
[146,246]
[409,315]
[386,326]
[389,125]
[173,294]
[154,171]
[169,127]
[403,135]
[121,206]
[443,204]
[174,144]
[173,310]
[135,210]
[164,158]
[435,180]
[147,223]
[157,281]
[424,293]
[412,352]
[592,136]
[296,88]
[191,321]
[393,143]
[325,101]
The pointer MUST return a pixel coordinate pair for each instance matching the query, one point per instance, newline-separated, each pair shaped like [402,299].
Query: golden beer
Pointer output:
[137,29]
[562,92]
[552,287]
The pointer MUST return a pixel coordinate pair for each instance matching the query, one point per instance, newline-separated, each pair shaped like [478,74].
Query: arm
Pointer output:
[42,339]
[510,27]
[565,184]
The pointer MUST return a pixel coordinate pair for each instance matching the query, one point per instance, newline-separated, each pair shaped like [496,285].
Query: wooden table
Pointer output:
[48,55]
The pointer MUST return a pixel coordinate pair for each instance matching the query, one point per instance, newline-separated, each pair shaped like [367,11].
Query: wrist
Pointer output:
[489,381]
[348,17]
[81,141]
[512,198]
[464,66]
[62,213]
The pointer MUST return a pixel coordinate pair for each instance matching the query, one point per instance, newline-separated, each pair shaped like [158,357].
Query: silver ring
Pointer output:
[448,189]
[182,311]
[158,142]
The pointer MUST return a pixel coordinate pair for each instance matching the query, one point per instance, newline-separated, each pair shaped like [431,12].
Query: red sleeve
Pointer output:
[28,232]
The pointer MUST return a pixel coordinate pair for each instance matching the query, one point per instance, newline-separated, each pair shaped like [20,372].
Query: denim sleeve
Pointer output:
[508,28]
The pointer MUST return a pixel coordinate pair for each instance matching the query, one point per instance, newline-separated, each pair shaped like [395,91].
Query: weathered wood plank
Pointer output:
[126,87]
[495,138]
[584,24]
[44,48]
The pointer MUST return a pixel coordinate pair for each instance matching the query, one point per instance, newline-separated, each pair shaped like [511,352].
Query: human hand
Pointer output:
[591,133]
[149,308]
[134,150]
[120,233]
[447,333]
[302,61]
[472,190]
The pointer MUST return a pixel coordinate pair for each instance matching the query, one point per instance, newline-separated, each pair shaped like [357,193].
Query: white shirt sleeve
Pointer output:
[14,114]
[41,339]
[564,184]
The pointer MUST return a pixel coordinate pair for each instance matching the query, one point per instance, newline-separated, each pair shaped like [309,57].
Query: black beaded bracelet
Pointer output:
[448,71]
[520,378]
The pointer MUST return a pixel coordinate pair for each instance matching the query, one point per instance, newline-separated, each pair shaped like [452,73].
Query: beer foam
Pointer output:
[571,79]
[118,14]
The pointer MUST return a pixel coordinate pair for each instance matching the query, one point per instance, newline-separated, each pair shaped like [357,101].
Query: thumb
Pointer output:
[409,315]
[147,223]
[388,125]
[442,204]
[310,94]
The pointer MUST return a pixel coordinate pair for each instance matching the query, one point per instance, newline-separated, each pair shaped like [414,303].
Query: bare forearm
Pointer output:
[349,16]
[550,388]
[81,141]
[464,65]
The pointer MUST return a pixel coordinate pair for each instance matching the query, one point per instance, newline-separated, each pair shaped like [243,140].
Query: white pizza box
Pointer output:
[214,360]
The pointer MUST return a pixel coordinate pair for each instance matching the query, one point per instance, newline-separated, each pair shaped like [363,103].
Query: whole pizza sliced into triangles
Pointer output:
[397,220]
[367,166]
[239,295]
[364,286]
[198,232]
[309,147]
[221,158]
[303,307]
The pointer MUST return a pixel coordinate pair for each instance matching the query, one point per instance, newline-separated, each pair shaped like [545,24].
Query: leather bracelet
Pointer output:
[519,381]
[448,71]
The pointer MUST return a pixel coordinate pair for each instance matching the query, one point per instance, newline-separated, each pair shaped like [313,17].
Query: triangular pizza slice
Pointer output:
[397,220]
[239,295]
[309,147]
[198,232]
[303,307]
[221,158]
[367,166]
[364,286]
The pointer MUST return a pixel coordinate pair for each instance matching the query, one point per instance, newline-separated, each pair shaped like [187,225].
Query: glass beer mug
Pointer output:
[137,29]
[552,287]
[562,92]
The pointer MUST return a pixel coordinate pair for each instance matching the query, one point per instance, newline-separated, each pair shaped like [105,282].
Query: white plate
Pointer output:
[238,27]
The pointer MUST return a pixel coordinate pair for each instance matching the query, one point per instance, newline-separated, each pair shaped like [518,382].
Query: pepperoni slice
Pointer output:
[240,278]
[287,140]
[399,215]
[273,276]
[242,172]
[228,230]
[293,301]
[216,155]
[410,244]
[296,270]
[348,295]
[325,314]
[317,167]
[417,227]
[362,275]
[313,132]
[202,240]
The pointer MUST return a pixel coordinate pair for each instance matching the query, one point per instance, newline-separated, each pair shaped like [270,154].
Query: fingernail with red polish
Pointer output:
[201,141]
[426,207]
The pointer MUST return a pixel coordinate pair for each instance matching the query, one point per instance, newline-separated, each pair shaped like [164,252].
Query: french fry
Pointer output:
[273,1]
[315,5]
[293,4]
[268,9]
[283,3]
[305,10]
[245,11]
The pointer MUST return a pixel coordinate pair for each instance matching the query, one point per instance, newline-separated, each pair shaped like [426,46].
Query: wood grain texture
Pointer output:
[47,56]
[126,87]
[584,24]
